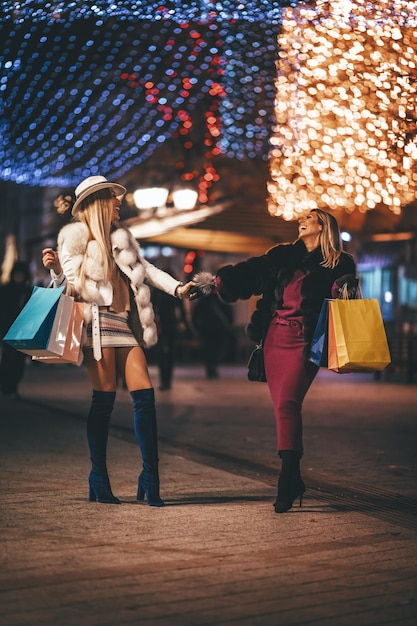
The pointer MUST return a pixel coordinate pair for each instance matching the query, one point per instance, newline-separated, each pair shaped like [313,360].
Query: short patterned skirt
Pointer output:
[115,331]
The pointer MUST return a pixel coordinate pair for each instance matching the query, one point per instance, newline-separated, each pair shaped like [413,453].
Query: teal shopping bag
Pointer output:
[32,327]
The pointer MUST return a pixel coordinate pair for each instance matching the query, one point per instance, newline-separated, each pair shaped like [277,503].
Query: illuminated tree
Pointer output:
[346,108]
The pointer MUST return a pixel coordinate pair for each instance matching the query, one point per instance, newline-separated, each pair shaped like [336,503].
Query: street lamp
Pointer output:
[157,217]
[184,199]
[150,198]
[155,199]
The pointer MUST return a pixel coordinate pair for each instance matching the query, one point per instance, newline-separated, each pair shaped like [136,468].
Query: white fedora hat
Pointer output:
[90,185]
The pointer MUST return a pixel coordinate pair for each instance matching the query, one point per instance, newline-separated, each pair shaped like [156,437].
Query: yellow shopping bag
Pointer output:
[356,335]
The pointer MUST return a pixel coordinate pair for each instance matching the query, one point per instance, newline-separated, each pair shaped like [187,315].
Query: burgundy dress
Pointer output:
[288,372]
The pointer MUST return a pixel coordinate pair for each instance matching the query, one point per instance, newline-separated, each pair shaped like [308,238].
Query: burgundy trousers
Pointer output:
[289,377]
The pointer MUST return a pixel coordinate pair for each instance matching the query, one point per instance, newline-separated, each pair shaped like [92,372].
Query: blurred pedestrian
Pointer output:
[293,280]
[213,321]
[13,297]
[99,262]
[170,318]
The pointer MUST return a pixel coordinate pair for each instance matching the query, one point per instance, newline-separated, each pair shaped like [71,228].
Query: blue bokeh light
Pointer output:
[82,83]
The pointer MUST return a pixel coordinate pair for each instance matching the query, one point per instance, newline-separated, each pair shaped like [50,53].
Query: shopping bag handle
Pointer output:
[344,292]
[50,285]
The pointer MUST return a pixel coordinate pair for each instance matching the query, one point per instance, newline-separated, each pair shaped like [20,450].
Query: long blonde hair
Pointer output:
[96,212]
[330,241]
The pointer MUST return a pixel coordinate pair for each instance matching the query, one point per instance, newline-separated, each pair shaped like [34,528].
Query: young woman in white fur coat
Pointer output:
[99,263]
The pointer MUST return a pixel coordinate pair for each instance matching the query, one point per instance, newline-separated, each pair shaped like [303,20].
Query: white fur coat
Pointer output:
[74,245]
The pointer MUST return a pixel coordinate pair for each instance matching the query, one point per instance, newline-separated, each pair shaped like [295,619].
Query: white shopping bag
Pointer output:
[57,338]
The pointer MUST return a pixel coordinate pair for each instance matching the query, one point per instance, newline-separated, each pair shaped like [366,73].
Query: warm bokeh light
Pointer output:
[346,108]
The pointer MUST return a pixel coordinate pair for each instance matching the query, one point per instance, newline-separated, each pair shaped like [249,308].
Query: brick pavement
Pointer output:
[216,554]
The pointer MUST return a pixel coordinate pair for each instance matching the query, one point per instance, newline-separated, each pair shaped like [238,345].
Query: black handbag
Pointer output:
[256,365]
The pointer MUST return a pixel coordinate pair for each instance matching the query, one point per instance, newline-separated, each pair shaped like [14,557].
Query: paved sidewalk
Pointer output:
[216,554]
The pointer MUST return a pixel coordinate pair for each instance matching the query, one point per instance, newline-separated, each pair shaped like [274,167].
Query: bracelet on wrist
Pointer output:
[178,291]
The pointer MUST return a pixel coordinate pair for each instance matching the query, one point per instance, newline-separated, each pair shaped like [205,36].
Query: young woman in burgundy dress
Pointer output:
[293,280]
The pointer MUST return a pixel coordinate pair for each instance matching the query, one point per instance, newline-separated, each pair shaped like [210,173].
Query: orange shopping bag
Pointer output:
[356,334]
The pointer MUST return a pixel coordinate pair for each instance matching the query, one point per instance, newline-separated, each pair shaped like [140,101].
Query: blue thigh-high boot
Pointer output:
[147,437]
[98,423]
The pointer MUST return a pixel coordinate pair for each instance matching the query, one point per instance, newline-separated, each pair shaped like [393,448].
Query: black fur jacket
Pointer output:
[267,275]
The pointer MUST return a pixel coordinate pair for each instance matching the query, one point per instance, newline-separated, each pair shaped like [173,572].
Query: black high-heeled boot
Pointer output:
[147,437]
[290,484]
[98,422]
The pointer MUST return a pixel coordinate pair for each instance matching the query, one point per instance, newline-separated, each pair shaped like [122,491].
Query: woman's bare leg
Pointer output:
[102,373]
[131,364]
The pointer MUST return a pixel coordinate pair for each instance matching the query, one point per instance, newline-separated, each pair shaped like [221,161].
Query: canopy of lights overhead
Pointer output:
[96,87]
[346,108]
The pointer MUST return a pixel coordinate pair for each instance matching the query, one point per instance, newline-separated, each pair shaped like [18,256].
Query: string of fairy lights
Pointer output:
[326,91]
[346,108]
[96,87]
[181,12]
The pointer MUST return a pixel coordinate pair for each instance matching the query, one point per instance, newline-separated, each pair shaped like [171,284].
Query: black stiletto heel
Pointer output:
[290,488]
